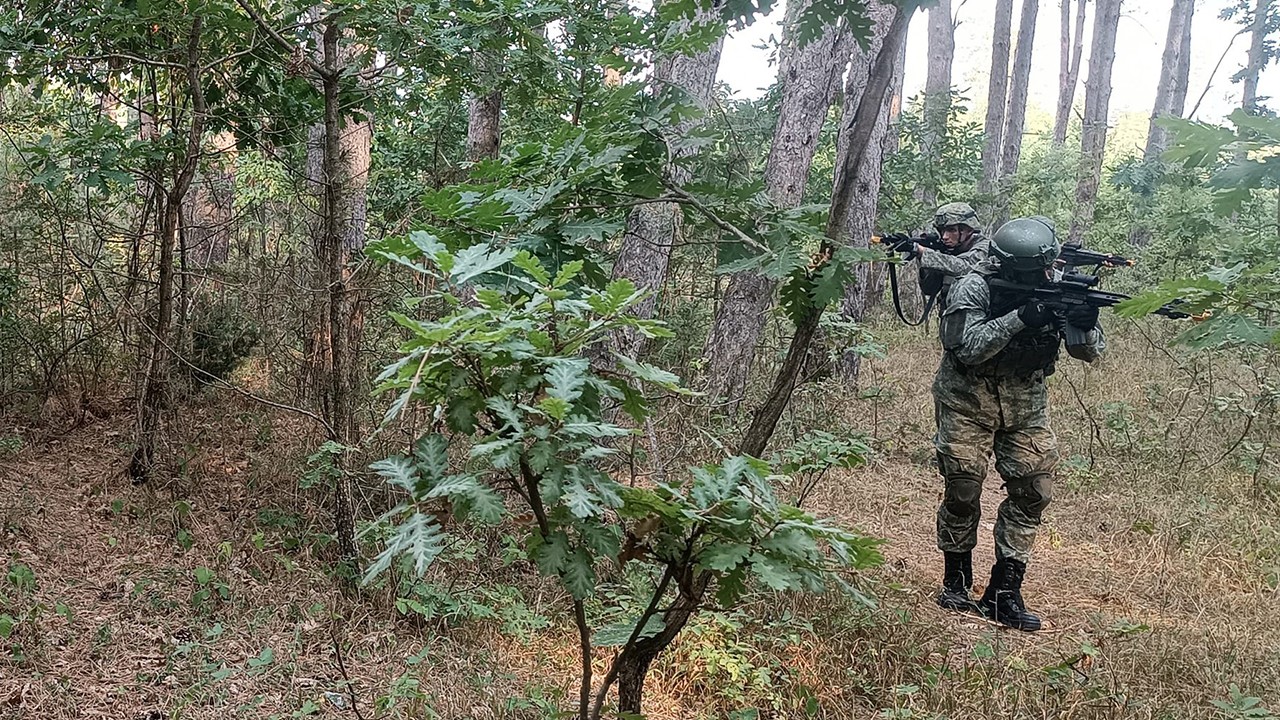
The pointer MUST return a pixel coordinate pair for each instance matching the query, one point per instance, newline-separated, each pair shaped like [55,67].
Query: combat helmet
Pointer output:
[956,213]
[1026,246]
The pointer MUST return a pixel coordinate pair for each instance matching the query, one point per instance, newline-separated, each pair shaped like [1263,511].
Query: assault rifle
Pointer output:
[1073,290]
[1075,256]
[902,243]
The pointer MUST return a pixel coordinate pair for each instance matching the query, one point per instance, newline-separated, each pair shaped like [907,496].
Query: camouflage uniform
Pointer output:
[938,270]
[990,393]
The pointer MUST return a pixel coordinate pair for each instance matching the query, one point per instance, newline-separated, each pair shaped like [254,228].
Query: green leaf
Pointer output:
[7,624]
[399,471]
[649,373]
[568,272]
[617,634]
[486,505]
[579,231]
[550,553]
[773,573]
[1225,330]
[582,503]
[579,574]
[723,557]
[266,657]
[830,283]
[432,453]
[565,378]
[419,537]
[476,260]
[790,542]
[530,264]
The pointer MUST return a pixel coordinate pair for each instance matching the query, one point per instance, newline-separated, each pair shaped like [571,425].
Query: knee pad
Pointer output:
[962,495]
[1032,494]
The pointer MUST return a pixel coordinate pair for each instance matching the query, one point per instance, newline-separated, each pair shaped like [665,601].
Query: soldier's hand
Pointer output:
[900,242]
[1035,314]
[1084,317]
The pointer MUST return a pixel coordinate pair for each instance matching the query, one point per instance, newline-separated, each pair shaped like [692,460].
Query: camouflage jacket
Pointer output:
[984,343]
[938,270]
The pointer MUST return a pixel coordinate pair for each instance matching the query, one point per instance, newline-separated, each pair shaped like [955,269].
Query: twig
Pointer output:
[342,667]
[684,197]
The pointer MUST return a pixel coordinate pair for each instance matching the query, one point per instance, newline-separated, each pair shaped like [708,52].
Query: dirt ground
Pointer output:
[193,598]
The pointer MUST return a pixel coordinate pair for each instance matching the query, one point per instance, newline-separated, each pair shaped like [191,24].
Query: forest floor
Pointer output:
[210,595]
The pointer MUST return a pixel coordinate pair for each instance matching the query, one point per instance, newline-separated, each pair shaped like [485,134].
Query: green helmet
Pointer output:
[1026,245]
[956,213]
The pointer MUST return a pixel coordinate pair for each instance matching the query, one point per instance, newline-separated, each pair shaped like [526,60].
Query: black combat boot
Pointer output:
[1002,600]
[957,578]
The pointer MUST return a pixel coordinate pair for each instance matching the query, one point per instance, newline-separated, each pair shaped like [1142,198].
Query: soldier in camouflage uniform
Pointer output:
[989,393]
[957,226]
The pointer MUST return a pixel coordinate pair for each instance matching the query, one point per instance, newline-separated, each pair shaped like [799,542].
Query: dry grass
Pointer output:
[1155,574]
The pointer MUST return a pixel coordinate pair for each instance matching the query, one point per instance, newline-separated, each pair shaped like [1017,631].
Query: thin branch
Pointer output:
[280,40]
[684,197]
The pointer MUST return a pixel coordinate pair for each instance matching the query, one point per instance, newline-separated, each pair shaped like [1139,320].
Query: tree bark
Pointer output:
[484,113]
[1068,69]
[937,91]
[858,221]
[1171,92]
[1015,117]
[338,166]
[1257,57]
[1171,98]
[1097,98]
[809,77]
[860,132]
[154,394]
[997,94]
[654,229]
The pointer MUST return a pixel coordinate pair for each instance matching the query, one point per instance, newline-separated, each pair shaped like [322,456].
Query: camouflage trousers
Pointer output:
[976,416]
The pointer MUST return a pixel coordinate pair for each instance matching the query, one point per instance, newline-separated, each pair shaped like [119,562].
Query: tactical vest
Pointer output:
[1028,351]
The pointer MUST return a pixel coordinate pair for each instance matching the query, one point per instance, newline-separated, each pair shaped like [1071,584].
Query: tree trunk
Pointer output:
[860,132]
[634,667]
[208,223]
[654,229]
[1097,99]
[1171,92]
[344,155]
[1015,117]
[1171,97]
[1257,56]
[809,78]
[1068,68]
[154,394]
[484,113]
[937,92]
[997,94]
[858,221]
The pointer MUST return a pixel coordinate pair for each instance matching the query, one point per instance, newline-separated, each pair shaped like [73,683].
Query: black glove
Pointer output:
[899,242]
[1084,317]
[1035,315]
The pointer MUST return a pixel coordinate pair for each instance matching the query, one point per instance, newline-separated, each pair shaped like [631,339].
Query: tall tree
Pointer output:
[997,92]
[857,220]
[484,125]
[1016,115]
[339,238]
[1175,67]
[809,76]
[1260,26]
[1068,68]
[937,90]
[1097,99]
[208,218]
[653,229]
[1171,97]
[859,132]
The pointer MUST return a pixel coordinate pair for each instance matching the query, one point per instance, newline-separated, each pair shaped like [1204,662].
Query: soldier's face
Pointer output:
[956,236]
